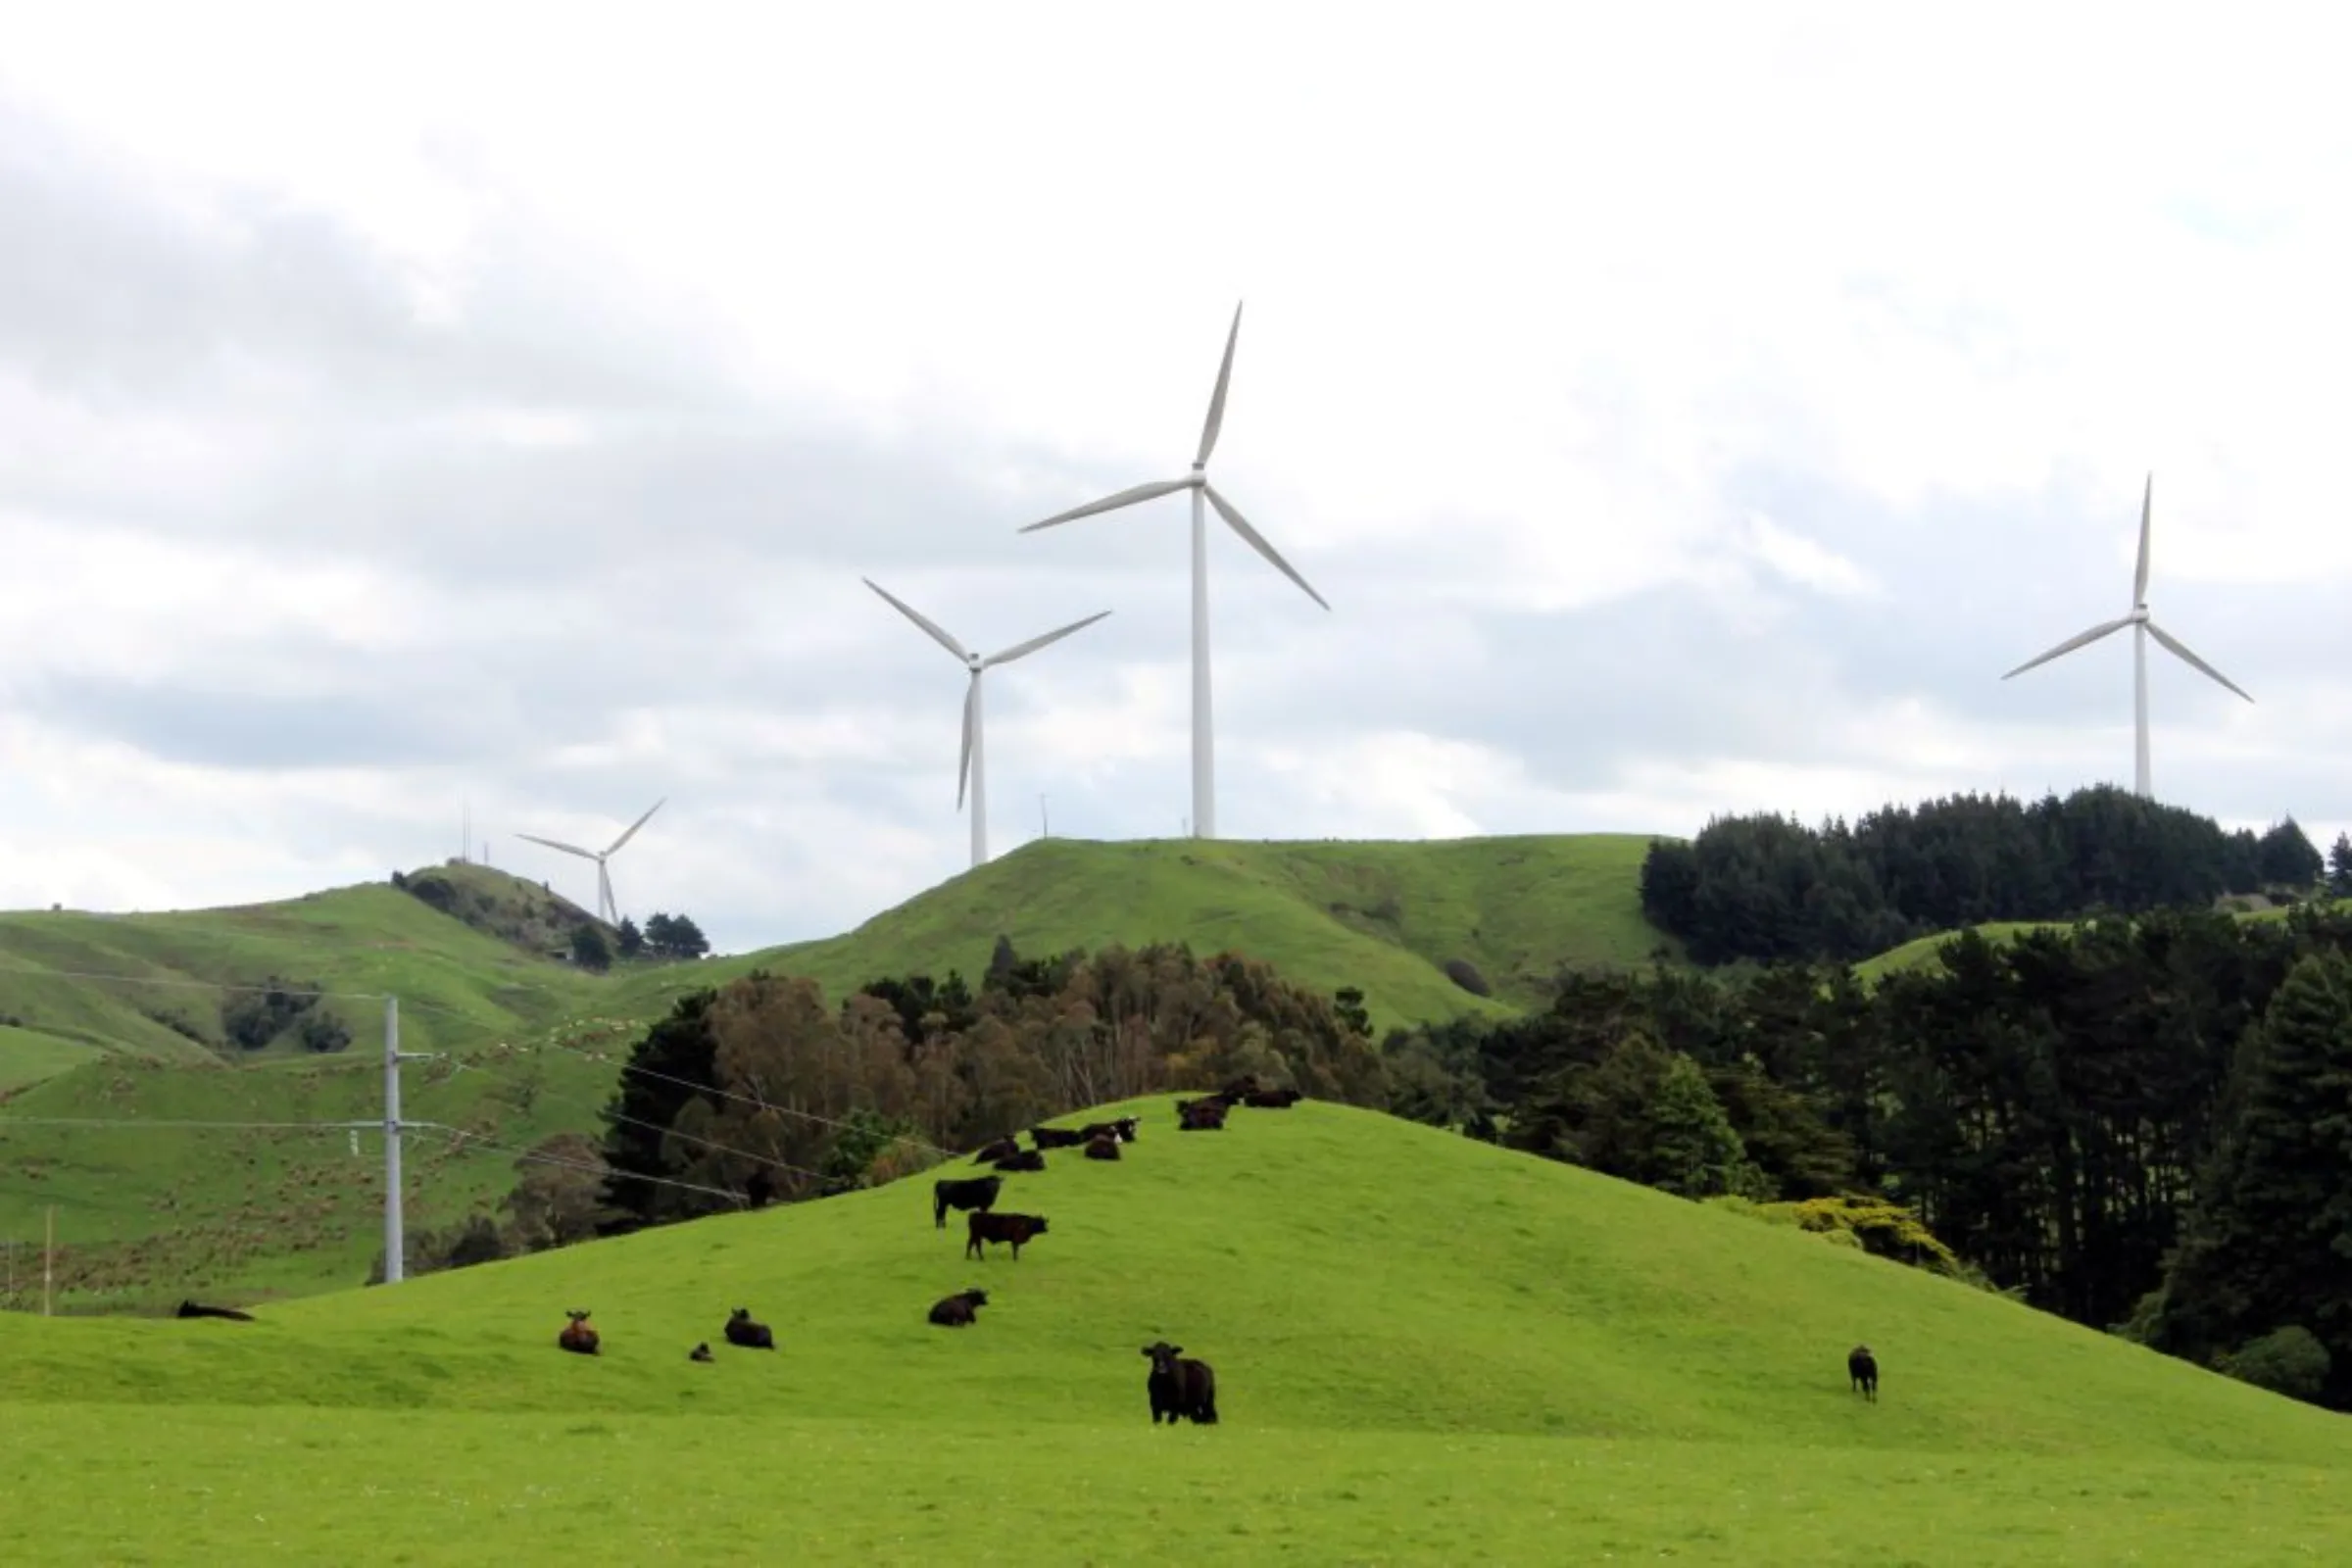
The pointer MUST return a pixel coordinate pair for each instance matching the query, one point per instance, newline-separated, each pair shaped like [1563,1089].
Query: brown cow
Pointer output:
[1200,1115]
[1102,1145]
[1012,1228]
[578,1337]
[959,1311]
[1002,1149]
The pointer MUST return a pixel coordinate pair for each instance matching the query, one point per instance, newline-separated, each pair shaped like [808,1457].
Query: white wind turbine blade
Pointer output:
[568,848]
[2139,576]
[2073,643]
[1257,542]
[1216,400]
[963,764]
[1125,498]
[634,827]
[2182,648]
[608,906]
[1035,642]
[938,634]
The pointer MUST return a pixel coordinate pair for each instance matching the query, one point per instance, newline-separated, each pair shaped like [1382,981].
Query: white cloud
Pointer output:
[1682,412]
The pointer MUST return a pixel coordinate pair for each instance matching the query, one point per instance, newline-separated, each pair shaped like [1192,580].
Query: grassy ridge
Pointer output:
[1426,1348]
[1923,950]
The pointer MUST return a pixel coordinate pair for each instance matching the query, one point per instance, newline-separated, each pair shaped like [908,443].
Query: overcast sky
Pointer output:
[1685,411]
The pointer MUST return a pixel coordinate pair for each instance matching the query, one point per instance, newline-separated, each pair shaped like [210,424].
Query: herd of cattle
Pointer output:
[1180,1388]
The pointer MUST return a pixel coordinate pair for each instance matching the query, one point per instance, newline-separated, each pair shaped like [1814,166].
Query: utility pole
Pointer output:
[48,1253]
[395,1217]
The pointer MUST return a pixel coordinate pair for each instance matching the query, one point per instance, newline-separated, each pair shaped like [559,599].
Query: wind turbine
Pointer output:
[1205,807]
[973,765]
[2143,628]
[606,907]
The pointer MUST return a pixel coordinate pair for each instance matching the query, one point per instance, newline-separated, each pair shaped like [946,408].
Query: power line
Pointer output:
[636,1121]
[468,1142]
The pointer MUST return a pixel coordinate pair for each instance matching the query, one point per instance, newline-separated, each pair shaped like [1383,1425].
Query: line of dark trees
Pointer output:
[670,938]
[2143,1124]
[1766,887]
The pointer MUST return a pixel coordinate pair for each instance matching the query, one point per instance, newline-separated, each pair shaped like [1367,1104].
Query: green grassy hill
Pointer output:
[1424,1346]
[145,1211]
[1923,950]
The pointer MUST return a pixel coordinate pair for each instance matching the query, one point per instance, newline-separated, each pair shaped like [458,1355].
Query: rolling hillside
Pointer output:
[1923,950]
[145,1211]
[1386,1306]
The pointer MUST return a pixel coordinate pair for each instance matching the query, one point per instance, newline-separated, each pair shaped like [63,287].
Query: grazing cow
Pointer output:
[1124,1130]
[1273,1098]
[1181,1389]
[578,1337]
[976,1192]
[1002,1149]
[701,1352]
[1102,1145]
[191,1310]
[1056,1137]
[740,1330]
[1200,1115]
[959,1311]
[1013,1228]
[1862,1372]
[1026,1159]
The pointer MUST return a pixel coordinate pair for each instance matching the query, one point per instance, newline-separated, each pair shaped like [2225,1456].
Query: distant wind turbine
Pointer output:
[606,907]
[2143,628]
[972,766]
[1205,807]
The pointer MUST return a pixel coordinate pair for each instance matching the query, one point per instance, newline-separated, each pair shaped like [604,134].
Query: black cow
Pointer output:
[191,1310]
[974,1191]
[1026,1159]
[1124,1130]
[960,1310]
[1242,1088]
[1862,1372]
[1273,1098]
[740,1330]
[1200,1115]
[701,1352]
[1013,1228]
[1002,1149]
[1180,1389]
[1056,1137]
[578,1337]
[1103,1146]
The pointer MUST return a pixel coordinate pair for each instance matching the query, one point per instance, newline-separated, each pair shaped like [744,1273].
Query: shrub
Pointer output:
[2290,1360]
[1462,972]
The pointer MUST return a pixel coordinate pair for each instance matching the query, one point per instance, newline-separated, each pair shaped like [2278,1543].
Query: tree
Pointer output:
[2287,857]
[2339,866]
[674,937]
[324,1032]
[1002,962]
[1693,1150]
[589,950]
[632,940]
[2269,1245]
[559,1198]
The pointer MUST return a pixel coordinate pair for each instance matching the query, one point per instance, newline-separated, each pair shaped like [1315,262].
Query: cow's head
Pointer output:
[976,1297]
[1164,1355]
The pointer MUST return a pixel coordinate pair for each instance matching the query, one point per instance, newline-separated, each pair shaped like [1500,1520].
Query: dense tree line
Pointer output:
[2137,1123]
[765,1090]
[1766,887]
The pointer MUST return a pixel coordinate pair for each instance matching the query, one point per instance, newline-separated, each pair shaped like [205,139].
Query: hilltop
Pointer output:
[1378,1300]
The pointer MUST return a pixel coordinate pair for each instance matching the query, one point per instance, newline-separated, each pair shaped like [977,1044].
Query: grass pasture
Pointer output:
[1427,1351]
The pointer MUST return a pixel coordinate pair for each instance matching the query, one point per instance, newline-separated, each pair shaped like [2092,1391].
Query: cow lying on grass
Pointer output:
[578,1337]
[1012,1228]
[972,1192]
[191,1310]
[1022,1159]
[1200,1115]
[1002,1149]
[1103,1146]
[740,1330]
[960,1310]
[1181,1389]
[1056,1137]
[1124,1130]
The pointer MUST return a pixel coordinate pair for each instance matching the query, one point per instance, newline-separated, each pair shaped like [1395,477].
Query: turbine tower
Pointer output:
[608,908]
[973,765]
[1205,805]
[2143,628]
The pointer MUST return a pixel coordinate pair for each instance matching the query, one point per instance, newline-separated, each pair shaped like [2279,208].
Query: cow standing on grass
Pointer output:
[1180,1388]
[1013,1228]
[1862,1372]
[973,1192]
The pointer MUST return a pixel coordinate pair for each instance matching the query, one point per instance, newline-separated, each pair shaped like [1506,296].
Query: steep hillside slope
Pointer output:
[1341,1270]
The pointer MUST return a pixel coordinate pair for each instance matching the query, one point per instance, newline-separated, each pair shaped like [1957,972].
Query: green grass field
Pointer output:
[1427,1349]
